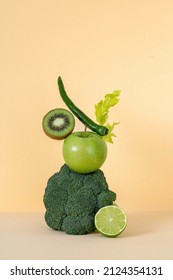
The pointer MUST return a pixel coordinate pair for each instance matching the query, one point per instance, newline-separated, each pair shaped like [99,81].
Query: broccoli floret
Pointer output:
[72,200]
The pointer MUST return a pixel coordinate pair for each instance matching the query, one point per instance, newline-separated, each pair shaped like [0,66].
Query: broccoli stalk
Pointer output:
[72,200]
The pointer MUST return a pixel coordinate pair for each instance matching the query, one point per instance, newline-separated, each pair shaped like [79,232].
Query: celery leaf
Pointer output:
[108,137]
[102,111]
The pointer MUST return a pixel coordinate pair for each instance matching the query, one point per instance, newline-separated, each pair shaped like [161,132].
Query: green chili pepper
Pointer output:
[101,130]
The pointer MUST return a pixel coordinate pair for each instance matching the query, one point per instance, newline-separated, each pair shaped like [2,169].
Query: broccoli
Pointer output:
[72,200]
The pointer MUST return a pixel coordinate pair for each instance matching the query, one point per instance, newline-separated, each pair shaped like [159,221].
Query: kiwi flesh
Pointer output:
[58,123]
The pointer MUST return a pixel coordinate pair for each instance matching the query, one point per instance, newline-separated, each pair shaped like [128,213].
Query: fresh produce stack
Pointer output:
[77,198]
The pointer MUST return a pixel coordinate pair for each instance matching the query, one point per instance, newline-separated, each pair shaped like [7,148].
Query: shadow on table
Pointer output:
[140,224]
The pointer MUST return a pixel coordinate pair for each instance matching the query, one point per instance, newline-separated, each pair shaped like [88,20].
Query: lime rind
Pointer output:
[110,221]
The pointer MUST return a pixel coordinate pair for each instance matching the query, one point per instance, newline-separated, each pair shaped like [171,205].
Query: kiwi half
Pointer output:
[58,123]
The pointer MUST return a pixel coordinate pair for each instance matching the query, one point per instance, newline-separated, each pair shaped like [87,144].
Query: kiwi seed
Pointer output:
[58,123]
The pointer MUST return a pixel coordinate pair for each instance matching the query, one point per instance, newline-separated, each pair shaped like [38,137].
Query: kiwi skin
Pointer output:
[61,130]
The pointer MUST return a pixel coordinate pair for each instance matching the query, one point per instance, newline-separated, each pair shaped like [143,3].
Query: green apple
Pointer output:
[84,152]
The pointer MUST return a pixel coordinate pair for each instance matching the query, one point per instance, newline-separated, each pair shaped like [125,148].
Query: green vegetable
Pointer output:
[108,137]
[72,200]
[99,129]
[102,111]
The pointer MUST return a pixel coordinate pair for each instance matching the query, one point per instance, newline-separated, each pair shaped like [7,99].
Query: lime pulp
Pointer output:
[110,220]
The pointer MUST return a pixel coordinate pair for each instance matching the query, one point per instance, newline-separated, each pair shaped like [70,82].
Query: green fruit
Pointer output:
[110,220]
[58,123]
[84,152]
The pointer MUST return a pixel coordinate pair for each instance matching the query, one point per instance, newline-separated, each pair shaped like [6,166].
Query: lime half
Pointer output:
[110,220]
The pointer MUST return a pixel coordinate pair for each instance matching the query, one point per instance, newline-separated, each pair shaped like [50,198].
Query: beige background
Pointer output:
[97,47]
